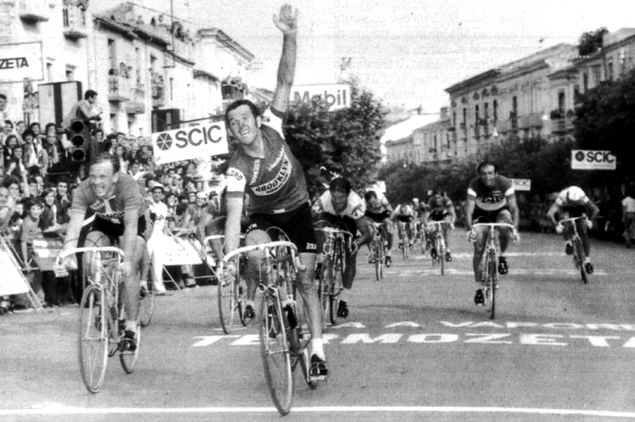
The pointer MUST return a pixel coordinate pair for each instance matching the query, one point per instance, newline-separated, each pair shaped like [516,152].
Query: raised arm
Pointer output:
[287,22]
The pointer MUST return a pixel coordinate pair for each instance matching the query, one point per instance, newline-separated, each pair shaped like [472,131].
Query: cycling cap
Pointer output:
[575,194]
[201,195]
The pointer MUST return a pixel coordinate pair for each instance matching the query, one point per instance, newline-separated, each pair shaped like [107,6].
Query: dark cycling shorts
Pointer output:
[497,216]
[439,216]
[572,212]
[114,230]
[405,218]
[297,224]
[377,217]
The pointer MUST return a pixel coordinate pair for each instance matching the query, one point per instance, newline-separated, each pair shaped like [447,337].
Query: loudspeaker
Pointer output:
[57,99]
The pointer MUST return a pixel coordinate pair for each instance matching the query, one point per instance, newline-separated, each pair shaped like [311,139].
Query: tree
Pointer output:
[345,142]
[606,121]
[591,41]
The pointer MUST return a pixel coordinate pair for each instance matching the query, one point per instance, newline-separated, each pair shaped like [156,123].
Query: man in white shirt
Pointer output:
[158,214]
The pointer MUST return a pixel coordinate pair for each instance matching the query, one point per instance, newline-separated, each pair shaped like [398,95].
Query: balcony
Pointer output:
[118,88]
[157,88]
[34,11]
[562,125]
[533,120]
[74,20]
[137,104]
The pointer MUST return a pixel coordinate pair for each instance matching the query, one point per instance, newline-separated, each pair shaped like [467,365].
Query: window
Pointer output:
[49,72]
[515,106]
[464,118]
[596,75]
[454,119]
[112,54]
[70,73]
[495,110]
[609,71]
[585,81]
[561,101]
[477,114]
[486,111]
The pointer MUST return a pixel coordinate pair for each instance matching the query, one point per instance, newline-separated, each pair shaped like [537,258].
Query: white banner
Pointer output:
[12,281]
[21,61]
[181,252]
[193,142]
[592,160]
[521,184]
[337,96]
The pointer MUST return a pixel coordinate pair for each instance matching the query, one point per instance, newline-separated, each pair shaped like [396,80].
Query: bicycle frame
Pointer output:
[439,243]
[378,249]
[334,263]
[578,250]
[405,238]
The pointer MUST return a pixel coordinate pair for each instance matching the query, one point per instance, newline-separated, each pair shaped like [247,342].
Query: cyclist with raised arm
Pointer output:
[379,210]
[490,199]
[440,208]
[405,213]
[111,204]
[340,205]
[572,202]
[264,167]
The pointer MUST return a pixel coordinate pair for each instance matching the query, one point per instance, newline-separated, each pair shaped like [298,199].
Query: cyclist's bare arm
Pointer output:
[470,203]
[72,235]
[129,241]
[551,214]
[452,214]
[591,209]
[513,207]
[232,225]
[365,229]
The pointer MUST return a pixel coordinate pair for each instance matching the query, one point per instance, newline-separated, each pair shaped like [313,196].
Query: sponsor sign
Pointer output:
[45,251]
[12,281]
[175,251]
[521,184]
[336,96]
[21,61]
[188,143]
[592,160]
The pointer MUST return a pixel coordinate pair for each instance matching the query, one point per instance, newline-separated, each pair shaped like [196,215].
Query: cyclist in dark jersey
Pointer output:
[111,204]
[264,168]
[490,199]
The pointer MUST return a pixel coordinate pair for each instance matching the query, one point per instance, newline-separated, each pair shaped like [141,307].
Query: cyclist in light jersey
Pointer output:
[379,210]
[340,205]
[573,202]
[490,199]
[264,167]
[440,208]
[111,204]
[406,214]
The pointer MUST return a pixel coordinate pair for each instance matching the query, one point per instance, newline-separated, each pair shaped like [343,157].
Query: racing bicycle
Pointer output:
[102,316]
[405,239]
[378,248]
[438,242]
[283,336]
[489,275]
[576,242]
[336,243]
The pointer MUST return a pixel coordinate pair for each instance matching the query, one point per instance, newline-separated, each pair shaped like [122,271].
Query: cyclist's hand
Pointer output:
[515,236]
[299,265]
[589,224]
[229,271]
[451,226]
[559,228]
[354,247]
[471,236]
[70,262]
[127,269]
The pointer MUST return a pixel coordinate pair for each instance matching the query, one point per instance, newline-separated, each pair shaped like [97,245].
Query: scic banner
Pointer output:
[21,61]
[592,160]
[188,143]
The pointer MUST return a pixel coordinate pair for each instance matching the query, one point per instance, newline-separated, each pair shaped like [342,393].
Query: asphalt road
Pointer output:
[414,348]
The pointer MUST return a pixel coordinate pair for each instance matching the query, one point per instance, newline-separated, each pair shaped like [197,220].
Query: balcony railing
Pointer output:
[562,125]
[118,88]
[74,20]
[34,11]
[137,104]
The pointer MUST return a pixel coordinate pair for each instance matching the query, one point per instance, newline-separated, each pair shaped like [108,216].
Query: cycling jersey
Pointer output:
[276,183]
[406,211]
[381,206]
[572,208]
[439,208]
[355,207]
[491,198]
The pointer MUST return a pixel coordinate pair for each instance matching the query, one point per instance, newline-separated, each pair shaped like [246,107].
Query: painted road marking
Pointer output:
[514,271]
[59,409]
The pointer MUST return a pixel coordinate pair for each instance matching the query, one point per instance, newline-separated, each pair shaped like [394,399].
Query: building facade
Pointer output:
[149,68]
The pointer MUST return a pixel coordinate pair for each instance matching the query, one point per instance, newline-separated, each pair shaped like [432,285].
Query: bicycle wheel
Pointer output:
[227,303]
[441,254]
[404,246]
[579,251]
[491,282]
[128,358]
[146,305]
[240,290]
[93,338]
[335,289]
[377,257]
[326,279]
[275,354]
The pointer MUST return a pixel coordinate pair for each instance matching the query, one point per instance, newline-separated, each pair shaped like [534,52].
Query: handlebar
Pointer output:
[73,251]
[260,247]
[491,225]
[438,223]
[572,219]
[334,231]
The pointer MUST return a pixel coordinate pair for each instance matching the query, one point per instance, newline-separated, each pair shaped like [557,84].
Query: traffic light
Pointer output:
[79,137]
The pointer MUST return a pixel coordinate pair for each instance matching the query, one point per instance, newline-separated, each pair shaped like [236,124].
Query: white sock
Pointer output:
[317,348]
[345,295]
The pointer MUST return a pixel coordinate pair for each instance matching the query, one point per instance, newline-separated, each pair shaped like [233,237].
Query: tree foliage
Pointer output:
[606,121]
[591,41]
[345,142]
